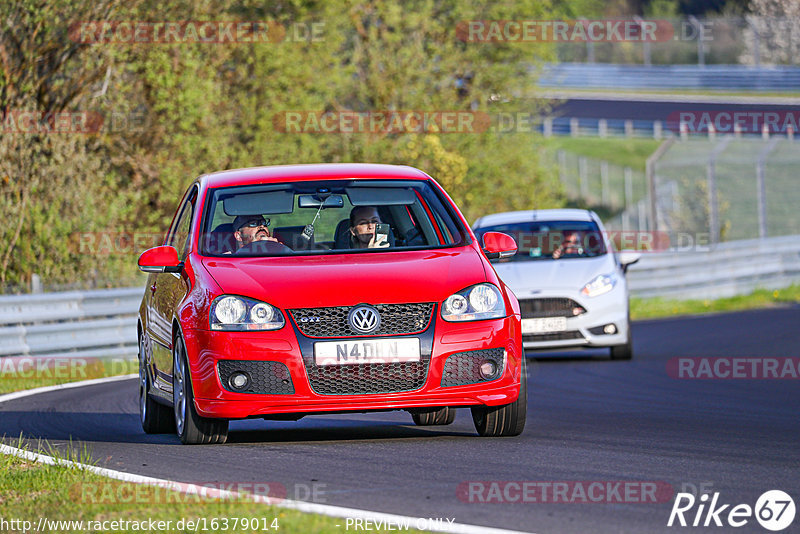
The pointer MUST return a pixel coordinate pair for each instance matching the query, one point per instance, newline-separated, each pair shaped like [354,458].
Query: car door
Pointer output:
[168,290]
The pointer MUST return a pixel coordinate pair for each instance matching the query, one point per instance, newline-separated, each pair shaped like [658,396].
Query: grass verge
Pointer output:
[625,152]
[28,373]
[761,298]
[38,496]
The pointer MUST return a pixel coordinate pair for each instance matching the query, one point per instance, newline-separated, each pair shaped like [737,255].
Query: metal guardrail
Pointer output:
[727,269]
[86,324]
[661,77]
[102,323]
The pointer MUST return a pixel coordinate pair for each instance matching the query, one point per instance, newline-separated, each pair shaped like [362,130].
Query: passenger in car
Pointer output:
[364,221]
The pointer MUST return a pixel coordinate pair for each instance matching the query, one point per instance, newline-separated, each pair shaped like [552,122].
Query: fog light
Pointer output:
[239,380]
[610,329]
[488,369]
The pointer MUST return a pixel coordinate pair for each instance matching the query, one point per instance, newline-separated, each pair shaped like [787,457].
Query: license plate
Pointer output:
[544,325]
[366,351]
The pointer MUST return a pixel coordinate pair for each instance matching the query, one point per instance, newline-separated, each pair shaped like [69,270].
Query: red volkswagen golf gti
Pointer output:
[287,291]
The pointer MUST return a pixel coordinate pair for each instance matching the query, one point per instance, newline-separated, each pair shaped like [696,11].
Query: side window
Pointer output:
[179,238]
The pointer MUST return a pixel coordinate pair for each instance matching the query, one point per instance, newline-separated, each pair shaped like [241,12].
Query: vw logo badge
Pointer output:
[364,319]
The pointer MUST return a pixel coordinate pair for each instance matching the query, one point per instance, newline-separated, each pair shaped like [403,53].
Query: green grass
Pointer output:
[761,298]
[21,374]
[621,151]
[32,491]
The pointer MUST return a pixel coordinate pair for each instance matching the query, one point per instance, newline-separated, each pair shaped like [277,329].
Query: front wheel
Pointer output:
[192,428]
[505,420]
[623,352]
[433,416]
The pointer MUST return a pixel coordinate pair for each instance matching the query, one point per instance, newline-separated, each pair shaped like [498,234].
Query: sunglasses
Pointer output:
[255,223]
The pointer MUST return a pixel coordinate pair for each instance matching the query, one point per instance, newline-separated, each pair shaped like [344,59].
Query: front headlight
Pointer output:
[229,312]
[482,301]
[600,285]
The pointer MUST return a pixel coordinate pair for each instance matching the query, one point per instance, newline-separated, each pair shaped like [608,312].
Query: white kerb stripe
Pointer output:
[194,489]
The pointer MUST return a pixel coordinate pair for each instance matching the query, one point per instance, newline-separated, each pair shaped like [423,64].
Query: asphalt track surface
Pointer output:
[589,419]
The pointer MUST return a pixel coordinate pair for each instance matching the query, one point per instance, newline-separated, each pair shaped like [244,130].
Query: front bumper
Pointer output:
[206,348]
[610,308]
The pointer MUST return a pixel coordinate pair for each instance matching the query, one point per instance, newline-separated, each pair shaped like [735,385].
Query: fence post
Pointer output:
[761,191]
[658,128]
[650,172]
[713,200]
[574,127]
[604,194]
[701,53]
[584,182]
[562,166]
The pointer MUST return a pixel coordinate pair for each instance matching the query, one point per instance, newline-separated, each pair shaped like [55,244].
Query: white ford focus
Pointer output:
[569,281]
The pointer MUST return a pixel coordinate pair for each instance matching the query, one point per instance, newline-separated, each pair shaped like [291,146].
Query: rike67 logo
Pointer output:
[774,510]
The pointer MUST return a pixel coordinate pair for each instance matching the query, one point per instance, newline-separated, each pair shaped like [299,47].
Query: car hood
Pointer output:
[348,279]
[527,277]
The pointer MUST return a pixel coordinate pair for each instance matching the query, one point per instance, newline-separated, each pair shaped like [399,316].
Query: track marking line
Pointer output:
[194,489]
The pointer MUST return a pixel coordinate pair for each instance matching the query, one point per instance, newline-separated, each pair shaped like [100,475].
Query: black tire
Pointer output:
[505,420]
[623,352]
[155,417]
[433,416]
[192,428]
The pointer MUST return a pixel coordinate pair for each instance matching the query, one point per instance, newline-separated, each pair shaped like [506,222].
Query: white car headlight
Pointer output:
[600,285]
[482,301]
[230,312]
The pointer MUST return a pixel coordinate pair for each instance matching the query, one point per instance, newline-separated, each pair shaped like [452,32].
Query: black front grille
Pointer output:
[464,367]
[332,322]
[558,336]
[549,307]
[265,377]
[360,379]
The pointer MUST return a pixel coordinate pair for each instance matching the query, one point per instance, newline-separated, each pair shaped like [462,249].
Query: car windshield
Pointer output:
[549,240]
[328,217]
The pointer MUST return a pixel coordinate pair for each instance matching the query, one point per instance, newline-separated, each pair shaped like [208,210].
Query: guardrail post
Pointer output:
[658,130]
[547,127]
[574,127]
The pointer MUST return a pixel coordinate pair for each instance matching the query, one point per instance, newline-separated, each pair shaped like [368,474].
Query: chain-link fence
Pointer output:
[731,188]
[722,189]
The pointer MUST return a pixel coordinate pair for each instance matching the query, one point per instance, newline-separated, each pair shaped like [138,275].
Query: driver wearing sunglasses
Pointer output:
[249,228]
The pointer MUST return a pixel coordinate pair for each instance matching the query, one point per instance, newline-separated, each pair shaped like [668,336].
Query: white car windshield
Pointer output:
[551,240]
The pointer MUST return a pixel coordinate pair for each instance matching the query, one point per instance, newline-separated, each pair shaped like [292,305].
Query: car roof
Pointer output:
[315,171]
[535,215]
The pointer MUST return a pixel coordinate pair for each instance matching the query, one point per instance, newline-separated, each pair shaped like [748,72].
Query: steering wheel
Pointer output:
[263,248]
